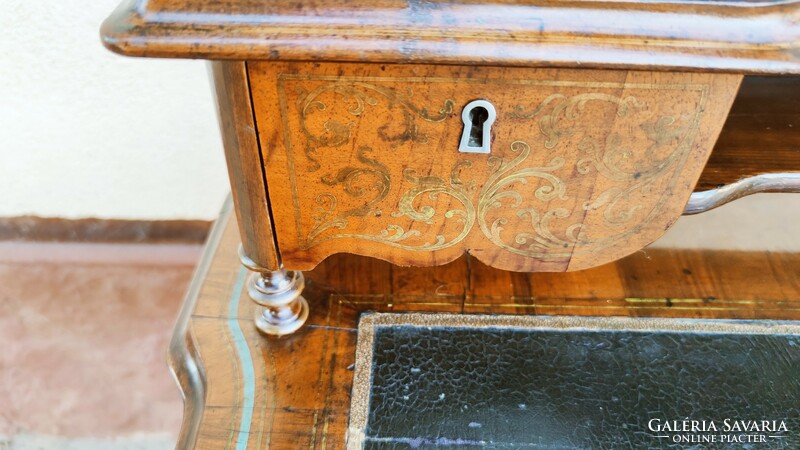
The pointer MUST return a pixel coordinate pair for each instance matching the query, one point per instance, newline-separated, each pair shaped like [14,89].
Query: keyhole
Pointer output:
[478,117]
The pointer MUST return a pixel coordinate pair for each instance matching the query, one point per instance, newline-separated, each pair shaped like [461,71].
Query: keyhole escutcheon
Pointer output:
[478,117]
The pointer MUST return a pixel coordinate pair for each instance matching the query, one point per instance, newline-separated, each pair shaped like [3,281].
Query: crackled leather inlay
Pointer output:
[425,381]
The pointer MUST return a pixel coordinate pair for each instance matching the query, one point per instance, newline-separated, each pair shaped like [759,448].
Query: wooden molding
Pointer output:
[755,36]
[182,355]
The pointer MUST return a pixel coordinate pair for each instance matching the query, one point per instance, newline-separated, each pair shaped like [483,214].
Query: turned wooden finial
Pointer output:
[282,309]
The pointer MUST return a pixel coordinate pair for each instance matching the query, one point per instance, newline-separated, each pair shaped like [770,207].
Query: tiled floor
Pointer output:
[83,335]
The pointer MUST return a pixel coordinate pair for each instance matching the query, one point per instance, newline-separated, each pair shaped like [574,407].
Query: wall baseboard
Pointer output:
[50,229]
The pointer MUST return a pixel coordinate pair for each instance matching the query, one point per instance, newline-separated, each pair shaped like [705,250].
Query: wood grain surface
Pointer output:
[254,392]
[245,167]
[761,134]
[586,166]
[743,36]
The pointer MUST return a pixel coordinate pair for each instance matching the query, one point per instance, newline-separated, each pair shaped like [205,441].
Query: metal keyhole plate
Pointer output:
[478,117]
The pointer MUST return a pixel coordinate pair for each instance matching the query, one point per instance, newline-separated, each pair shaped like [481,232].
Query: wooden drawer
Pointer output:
[586,166]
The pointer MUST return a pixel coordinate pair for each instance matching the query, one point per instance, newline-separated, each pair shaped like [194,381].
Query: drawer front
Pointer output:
[585,166]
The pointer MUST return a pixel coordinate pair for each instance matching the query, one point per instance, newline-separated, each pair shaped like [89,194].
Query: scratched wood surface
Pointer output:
[585,166]
[294,392]
[742,36]
[243,158]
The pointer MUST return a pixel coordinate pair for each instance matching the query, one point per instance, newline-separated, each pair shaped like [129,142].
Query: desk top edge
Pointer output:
[642,35]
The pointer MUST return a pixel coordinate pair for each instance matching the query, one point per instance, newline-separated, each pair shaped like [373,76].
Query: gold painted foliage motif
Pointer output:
[533,209]
[498,189]
[411,205]
[631,174]
[357,96]
[371,182]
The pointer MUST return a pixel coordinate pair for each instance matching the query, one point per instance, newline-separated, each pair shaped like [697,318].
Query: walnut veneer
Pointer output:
[343,124]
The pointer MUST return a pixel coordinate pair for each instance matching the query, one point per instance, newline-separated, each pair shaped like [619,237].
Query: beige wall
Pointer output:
[86,133]
[761,222]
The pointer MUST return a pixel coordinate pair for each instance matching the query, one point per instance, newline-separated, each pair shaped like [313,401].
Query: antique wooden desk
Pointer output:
[533,135]
[536,137]
[243,390]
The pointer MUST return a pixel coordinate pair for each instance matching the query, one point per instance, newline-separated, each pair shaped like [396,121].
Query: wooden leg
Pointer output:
[282,309]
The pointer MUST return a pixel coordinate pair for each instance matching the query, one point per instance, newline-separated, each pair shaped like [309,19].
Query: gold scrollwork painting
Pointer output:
[356,97]
[328,216]
[578,168]
[625,174]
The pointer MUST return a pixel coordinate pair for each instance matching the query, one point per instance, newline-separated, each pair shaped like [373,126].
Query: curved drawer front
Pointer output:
[585,166]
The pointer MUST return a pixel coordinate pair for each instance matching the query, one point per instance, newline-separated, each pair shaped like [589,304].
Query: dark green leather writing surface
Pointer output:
[507,388]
